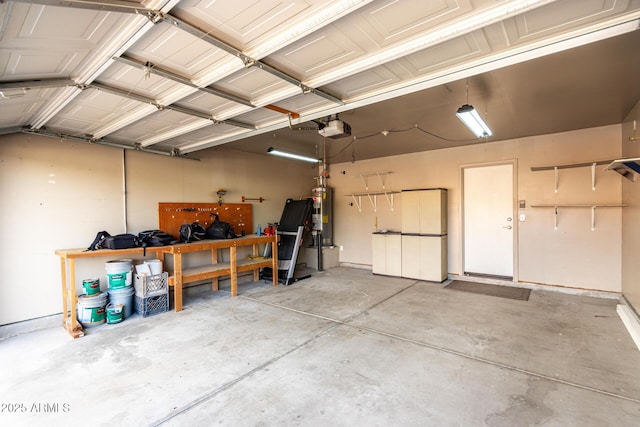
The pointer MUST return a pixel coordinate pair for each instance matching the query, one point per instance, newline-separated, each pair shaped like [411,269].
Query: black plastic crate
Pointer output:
[152,305]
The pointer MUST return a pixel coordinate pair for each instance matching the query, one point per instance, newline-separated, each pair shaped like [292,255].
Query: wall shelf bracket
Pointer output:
[357,199]
[374,201]
[389,197]
[364,177]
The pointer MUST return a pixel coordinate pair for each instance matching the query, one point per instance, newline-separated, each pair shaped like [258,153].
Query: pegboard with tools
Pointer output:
[172,215]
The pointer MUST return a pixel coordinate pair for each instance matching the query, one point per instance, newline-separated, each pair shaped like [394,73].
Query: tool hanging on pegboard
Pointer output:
[252,199]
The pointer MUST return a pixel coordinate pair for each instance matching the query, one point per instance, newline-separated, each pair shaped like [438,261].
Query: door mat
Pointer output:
[491,290]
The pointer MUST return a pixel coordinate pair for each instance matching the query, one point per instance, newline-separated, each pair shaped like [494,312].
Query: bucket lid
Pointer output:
[100,297]
[127,290]
[115,307]
[119,263]
[92,296]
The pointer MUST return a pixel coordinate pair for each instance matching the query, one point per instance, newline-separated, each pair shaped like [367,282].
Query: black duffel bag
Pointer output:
[219,229]
[152,238]
[192,232]
[120,241]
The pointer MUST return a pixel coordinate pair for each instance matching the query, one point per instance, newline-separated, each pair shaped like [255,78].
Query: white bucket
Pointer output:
[91,309]
[155,265]
[123,296]
[119,273]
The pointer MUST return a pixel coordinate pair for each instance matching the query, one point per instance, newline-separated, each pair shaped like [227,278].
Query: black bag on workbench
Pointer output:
[120,241]
[151,238]
[220,229]
[104,240]
[192,232]
[98,241]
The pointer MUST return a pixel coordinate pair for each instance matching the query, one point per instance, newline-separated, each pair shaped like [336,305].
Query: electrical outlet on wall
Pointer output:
[341,248]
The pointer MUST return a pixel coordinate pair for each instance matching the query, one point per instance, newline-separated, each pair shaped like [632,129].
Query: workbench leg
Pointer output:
[65,294]
[73,326]
[234,271]
[177,282]
[274,259]
[215,286]
[72,294]
[256,272]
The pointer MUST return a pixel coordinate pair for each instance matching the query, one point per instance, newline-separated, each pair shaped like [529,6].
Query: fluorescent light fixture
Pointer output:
[275,152]
[474,122]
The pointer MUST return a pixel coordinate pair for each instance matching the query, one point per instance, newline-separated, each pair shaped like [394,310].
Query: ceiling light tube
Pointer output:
[275,152]
[470,117]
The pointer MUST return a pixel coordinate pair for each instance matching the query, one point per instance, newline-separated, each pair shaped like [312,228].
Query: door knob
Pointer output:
[508,227]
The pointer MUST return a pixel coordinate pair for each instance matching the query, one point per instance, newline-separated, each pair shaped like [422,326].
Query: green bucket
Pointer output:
[115,313]
[91,286]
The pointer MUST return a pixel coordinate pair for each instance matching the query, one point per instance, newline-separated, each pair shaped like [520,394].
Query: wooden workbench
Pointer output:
[216,269]
[180,276]
[68,278]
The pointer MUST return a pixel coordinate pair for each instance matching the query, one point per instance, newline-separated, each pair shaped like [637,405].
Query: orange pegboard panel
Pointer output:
[172,215]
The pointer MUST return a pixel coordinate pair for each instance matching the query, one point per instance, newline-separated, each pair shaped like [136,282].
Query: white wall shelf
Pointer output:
[593,208]
[373,198]
[373,195]
[572,166]
[364,177]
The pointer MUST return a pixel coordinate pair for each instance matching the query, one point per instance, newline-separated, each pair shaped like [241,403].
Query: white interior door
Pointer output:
[488,220]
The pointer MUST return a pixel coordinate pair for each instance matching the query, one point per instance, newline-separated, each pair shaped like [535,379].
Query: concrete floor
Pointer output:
[342,348]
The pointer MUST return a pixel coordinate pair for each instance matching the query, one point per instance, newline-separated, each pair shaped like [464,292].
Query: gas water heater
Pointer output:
[323,214]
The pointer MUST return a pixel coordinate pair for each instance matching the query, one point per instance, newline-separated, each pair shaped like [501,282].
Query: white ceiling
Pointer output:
[182,76]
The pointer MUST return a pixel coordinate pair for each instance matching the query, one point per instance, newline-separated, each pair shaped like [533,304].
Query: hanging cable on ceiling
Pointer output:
[387,132]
